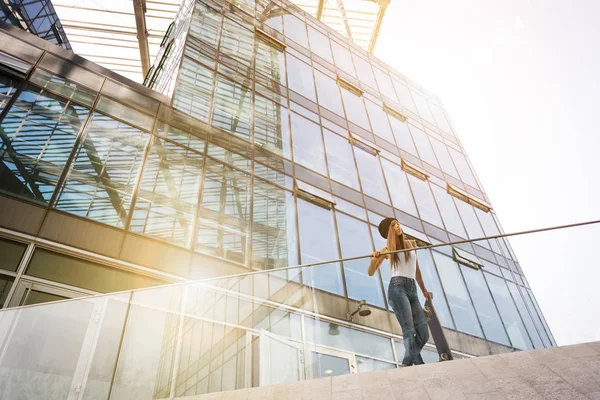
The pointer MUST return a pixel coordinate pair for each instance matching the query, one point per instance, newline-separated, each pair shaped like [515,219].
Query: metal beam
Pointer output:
[377,28]
[320,8]
[139,7]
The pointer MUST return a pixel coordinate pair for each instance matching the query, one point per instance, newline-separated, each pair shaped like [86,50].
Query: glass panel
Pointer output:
[12,253]
[232,107]
[424,200]
[368,364]
[308,144]
[270,62]
[38,135]
[543,320]
[463,168]
[8,87]
[205,24]
[329,93]
[404,96]
[194,91]
[355,109]
[398,186]
[325,365]
[6,283]
[168,195]
[352,340]
[457,295]
[379,122]
[225,212]
[300,78]
[402,135]
[448,211]
[274,243]
[354,241]
[427,354]
[104,171]
[441,150]
[536,318]
[340,160]
[237,42]
[85,274]
[37,297]
[432,283]
[295,29]
[318,243]
[271,125]
[365,73]
[425,150]
[319,44]
[371,175]
[487,221]
[385,84]
[533,333]
[64,88]
[281,361]
[342,57]
[512,321]
[470,219]
[422,106]
[484,305]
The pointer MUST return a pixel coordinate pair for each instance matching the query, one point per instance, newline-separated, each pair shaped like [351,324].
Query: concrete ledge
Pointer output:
[569,372]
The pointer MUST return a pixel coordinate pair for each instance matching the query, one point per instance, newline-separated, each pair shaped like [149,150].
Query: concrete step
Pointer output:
[568,372]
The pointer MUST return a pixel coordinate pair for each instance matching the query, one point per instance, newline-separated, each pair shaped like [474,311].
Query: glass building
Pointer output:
[262,139]
[37,17]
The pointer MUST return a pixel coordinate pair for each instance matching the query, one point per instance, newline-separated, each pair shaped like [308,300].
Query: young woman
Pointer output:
[402,292]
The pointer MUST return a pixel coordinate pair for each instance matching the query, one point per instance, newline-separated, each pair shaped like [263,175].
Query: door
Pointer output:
[327,362]
[29,292]
[281,360]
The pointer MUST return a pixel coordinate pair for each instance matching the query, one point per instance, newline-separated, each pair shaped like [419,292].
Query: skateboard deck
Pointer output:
[441,344]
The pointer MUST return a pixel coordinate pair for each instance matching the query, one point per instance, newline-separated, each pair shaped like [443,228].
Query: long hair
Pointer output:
[396,243]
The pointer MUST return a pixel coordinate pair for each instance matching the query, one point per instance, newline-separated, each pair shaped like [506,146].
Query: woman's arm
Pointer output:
[376,260]
[419,277]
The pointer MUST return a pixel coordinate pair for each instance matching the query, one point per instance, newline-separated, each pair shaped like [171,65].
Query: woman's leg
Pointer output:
[421,330]
[400,303]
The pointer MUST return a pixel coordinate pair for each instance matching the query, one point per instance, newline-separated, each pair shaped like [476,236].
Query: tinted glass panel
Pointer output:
[448,210]
[329,93]
[463,167]
[379,122]
[424,200]
[398,185]
[533,333]
[425,150]
[308,144]
[232,107]
[432,283]
[340,160]
[10,254]
[6,283]
[300,78]
[271,125]
[319,44]
[355,109]
[402,135]
[371,175]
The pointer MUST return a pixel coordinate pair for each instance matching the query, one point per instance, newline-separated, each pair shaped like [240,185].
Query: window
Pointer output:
[168,194]
[398,185]
[467,198]
[85,274]
[12,252]
[404,96]
[441,151]
[295,29]
[533,333]
[355,109]
[329,93]
[342,57]
[8,87]
[206,24]
[270,59]
[237,42]
[432,283]
[232,107]
[423,146]
[463,167]
[371,176]
[38,134]
[319,44]
[6,283]
[484,305]
[271,125]
[100,183]
[365,73]
[195,89]
[457,295]
[512,321]
[425,201]
[379,122]
[385,84]
[308,144]
[354,241]
[318,243]
[300,78]
[422,106]
[224,213]
[274,243]
[449,213]
[340,160]
[470,220]
[466,258]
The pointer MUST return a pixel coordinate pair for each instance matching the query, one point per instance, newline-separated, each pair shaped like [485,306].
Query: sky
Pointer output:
[520,81]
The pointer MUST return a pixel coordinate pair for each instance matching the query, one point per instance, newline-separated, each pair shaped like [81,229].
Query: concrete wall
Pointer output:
[570,372]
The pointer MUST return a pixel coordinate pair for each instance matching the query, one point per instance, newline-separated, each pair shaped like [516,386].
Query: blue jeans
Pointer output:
[402,296]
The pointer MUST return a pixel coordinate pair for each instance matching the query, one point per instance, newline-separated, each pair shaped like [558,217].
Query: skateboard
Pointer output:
[441,344]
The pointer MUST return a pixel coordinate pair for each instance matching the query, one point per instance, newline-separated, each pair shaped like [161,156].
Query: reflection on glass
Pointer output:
[37,136]
[470,220]
[533,333]
[354,241]
[194,92]
[104,171]
[8,87]
[273,227]
[424,146]
[463,167]
[340,160]
[398,186]
[355,109]
[512,321]
[402,135]
[237,42]
[318,243]
[295,29]
[329,93]
[271,126]
[325,365]
[441,151]
[371,176]
[270,62]
[232,107]
[308,144]
[484,305]
[364,364]
[365,73]
[424,200]
[457,295]
[448,211]
[319,44]
[379,122]
[300,78]
[225,212]
[385,84]
[432,283]
[343,59]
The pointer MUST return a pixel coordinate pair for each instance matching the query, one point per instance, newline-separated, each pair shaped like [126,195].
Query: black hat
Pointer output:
[384,226]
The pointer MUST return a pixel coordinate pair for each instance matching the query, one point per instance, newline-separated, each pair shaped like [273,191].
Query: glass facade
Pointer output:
[37,17]
[274,149]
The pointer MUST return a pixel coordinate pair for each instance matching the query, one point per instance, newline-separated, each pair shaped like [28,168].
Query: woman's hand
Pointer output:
[376,254]
[428,295]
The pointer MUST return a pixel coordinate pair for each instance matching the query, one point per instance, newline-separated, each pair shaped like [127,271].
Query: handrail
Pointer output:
[431,246]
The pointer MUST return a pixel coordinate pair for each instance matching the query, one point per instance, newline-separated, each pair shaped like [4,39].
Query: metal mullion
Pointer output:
[196,221]
[20,272]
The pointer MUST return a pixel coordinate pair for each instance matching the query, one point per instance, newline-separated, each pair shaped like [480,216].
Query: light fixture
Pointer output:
[328,372]
[363,310]
[334,330]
